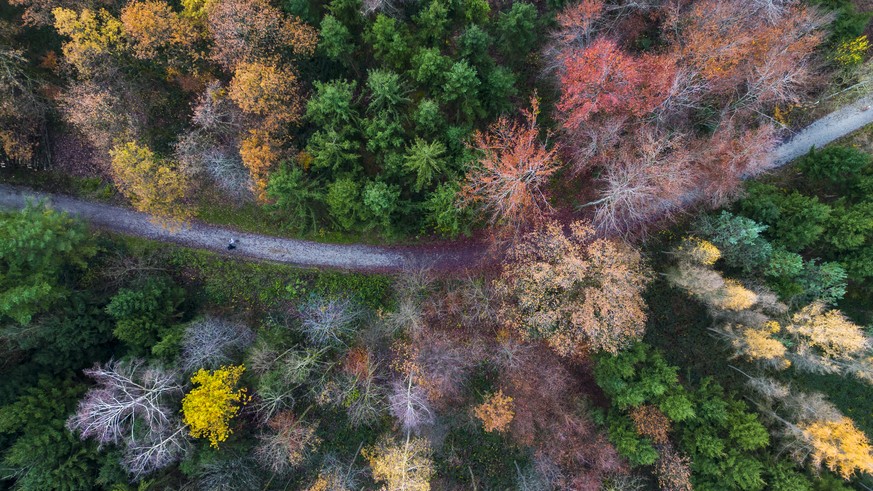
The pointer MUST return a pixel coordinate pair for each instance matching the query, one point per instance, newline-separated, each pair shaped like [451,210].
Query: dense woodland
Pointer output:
[649,317]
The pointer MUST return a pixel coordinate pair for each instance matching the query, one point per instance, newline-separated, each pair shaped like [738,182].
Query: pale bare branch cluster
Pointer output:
[409,403]
[212,342]
[131,407]
[328,322]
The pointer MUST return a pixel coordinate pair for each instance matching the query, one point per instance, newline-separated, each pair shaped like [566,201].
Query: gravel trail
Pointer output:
[368,258]
[825,130]
[352,257]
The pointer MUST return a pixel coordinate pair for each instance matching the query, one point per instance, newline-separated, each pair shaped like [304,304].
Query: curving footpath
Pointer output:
[358,257]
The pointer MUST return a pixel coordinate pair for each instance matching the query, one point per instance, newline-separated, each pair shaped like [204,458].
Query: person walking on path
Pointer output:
[231,245]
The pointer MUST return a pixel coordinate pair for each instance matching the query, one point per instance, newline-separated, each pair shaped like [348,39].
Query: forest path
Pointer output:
[835,125]
[359,257]
[353,257]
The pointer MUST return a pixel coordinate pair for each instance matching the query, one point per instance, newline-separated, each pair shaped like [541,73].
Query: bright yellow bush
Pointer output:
[840,446]
[760,346]
[699,251]
[852,52]
[495,412]
[403,467]
[91,34]
[209,407]
[830,332]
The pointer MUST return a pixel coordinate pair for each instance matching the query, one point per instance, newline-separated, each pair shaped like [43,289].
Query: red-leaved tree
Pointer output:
[602,79]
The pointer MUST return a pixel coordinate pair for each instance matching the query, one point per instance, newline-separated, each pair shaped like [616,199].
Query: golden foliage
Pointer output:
[15,146]
[829,332]
[734,296]
[153,185]
[327,482]
[269,92]
[92,35]
[757,344]
[213,403]
[651,422]
[495,412]
[699,251]
[839,445]
[259,152]
[578,292]
[403,467]
[852,52]
[152,26]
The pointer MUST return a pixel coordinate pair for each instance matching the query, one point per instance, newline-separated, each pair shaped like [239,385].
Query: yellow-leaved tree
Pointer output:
[840,446]
[825,341]
[93,35]
[495,412]
[213,403]
[154,185]
[401,467]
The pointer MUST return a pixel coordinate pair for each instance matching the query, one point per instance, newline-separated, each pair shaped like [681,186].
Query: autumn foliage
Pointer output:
[154,27]
[153,185]
[840,446]
[511,175]
[259,152]
[267,92]
[495,412]
[404,466]
[210,406]
[246,31]
[603,80]
[578,292]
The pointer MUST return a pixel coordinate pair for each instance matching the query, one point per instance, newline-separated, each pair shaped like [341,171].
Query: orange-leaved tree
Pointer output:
[268,92]
[578,292]
[514,166]
[495,412]
[260,151]
[154,28]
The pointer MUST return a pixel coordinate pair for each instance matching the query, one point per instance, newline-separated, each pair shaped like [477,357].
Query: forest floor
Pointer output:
[358,257]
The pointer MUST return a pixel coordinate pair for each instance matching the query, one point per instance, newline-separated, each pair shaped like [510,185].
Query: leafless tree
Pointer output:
[131,407]
[282,374]
[646,181]
[211,342]
[328,322]
[216,113]
[409,404]
[229,472]
[288,442]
